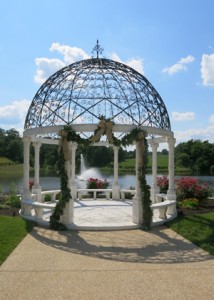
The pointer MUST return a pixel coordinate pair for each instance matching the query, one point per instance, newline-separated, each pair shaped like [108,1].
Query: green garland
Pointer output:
[145,191]
[65,195]
[128,139]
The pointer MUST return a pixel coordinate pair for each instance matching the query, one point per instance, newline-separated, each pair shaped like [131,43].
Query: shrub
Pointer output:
[163,183]
[13,201]
[191,203]
[188,187]
[47,198]
[94,183]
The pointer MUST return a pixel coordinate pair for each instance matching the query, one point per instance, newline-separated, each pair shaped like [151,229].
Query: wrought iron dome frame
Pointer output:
[85,90]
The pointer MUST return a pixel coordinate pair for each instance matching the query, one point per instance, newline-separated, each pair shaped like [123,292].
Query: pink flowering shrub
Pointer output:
[188,187]
[94,183]
[163,183]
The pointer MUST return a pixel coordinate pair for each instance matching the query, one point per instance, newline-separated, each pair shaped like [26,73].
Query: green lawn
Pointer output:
[199,229]
[12,231]
[162,162]
[8,170]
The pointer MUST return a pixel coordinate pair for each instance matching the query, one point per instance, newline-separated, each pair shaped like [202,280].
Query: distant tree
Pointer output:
[165,152]
[196,155]
[13,146]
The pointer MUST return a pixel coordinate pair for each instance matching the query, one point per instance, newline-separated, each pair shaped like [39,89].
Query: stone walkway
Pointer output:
[88,265]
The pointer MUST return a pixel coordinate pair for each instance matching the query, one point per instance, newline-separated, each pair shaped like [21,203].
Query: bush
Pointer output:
[163,183]
[13,201]
[94,183]
[47,198]
[191,203]
[188,187]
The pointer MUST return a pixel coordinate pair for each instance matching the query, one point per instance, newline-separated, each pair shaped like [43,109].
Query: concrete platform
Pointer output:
[101,214]
[101,265]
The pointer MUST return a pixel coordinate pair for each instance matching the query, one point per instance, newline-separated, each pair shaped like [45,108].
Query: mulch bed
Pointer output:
[206,207]
[9,211]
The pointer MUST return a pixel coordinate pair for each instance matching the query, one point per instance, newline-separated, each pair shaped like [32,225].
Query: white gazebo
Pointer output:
[79,95]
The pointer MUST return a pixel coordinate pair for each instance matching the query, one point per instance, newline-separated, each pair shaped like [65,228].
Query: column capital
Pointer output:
[154,145]
[116,148]
[26,139]
[171,141]
[37,144]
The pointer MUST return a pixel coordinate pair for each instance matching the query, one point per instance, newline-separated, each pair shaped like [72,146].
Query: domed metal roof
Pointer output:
[83,91]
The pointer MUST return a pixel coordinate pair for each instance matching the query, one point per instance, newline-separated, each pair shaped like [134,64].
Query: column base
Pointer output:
[171,195]
[154,190]
[116,192]
[36,189]
[137,215]
[26,195]
[68,213]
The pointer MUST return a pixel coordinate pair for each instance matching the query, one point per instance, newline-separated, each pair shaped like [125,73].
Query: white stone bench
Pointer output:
[38,207]
[165,207]
[124,191]
[26,207]
[107,192]
[52,193]
[160,197]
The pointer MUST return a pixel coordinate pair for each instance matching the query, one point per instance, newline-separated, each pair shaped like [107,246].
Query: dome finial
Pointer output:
[98,49]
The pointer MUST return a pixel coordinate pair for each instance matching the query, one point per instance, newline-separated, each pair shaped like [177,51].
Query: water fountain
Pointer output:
[85,173]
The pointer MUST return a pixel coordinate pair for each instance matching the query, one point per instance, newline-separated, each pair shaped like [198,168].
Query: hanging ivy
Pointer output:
[104,128]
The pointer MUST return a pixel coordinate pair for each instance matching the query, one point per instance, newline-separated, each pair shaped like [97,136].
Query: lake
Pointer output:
[125,181]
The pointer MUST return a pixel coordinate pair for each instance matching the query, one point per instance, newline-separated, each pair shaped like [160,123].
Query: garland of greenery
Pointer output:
[70,135]
[145,188]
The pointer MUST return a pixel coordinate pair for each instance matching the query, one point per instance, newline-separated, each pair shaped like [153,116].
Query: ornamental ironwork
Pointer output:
[86,90]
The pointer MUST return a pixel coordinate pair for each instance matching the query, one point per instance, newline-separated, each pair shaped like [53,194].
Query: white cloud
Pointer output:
[195,133]
[183,116]
[135,63]
[207,69]
[201,133]
[179,66]
[46,66]
[13,115]
[71,54]
[211,119]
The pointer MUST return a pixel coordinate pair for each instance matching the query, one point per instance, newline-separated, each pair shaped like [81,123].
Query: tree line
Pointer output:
[196,155]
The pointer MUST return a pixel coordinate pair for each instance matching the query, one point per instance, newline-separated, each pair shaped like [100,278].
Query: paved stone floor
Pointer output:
[103,215]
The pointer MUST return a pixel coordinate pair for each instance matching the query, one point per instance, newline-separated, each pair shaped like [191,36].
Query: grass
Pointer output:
[14,170]
[199,229]
[12,231]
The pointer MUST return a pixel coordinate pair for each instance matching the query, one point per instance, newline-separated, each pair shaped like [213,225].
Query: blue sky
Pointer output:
[170,41]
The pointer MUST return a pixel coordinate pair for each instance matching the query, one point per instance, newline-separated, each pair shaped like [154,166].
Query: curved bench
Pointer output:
[165,207]
[38,207]
[53,194]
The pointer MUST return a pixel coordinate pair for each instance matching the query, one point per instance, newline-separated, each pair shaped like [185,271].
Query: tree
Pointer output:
[196,155]
[13,146]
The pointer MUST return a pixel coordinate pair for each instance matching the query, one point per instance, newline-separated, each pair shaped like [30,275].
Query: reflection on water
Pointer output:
[125,181]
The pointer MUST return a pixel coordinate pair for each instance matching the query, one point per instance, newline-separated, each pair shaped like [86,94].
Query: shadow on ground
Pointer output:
[161,245]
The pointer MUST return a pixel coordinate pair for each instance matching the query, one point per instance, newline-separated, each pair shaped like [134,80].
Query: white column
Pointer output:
[36,189]
[137,215]
[171,194]
[68,212]
[116,187]
[26,195]
[154,188]
[73,171]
